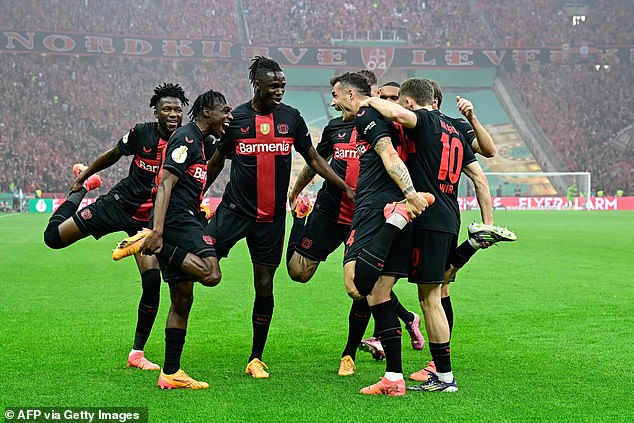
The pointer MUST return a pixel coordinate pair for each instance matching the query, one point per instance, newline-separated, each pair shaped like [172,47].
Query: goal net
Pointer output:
[533,190]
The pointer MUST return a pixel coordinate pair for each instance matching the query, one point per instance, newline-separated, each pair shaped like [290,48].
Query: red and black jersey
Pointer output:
[375,187]
[186,156]
[339,140]
[260,148]
[134,191]
[437,154]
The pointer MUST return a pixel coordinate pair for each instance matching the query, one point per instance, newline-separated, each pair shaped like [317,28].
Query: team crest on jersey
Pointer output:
[86,214]
[180,154]
[282,128]
[265,128]
[307,243]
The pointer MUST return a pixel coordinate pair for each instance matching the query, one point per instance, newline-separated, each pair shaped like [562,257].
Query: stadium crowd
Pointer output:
[68,108]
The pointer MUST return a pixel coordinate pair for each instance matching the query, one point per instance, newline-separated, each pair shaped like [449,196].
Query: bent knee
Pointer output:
[52,238]
[212,279]
[302,275]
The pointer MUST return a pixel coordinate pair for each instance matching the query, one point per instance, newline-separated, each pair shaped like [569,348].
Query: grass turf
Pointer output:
[543,332]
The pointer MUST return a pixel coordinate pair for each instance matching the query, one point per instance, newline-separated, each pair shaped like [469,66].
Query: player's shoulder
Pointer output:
[458,122]
[145,128]
[284,109]
[338,124]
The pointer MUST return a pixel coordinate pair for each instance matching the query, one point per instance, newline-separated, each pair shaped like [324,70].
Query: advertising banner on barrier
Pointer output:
[552,203]
[48,205]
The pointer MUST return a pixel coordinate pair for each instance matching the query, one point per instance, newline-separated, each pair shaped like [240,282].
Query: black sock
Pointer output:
[357,323]
[174,341]
[441,354]
[261,319]
[462,254]
[174,256]
[446,305]
[389,329]
[296,233]
[148,307]
[63,212]
[371,258]
[405,315]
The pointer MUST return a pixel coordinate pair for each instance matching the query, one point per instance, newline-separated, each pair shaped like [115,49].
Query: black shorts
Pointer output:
[321,236]
[365,225]
[430,255]
[106,216]
[265,240]
[184,231]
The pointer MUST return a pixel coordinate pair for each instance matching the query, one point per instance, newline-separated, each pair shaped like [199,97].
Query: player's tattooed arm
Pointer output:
[397,170]
[305,176]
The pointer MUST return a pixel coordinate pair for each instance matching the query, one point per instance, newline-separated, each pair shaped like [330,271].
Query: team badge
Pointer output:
[180,154]
[377,60]
[265,128]
[86,214]
[307,243]
[282,128]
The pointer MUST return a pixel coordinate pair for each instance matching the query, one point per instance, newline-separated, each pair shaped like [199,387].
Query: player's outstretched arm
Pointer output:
[323,169]
[483,194]
[154,241]
[393,111]
[102,162]
[483,142]
[400,175]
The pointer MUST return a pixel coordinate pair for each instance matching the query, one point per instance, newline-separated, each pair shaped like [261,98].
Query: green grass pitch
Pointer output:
[544,331]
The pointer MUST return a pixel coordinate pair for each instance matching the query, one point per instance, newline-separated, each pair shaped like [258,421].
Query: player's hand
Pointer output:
[292,200]
[416,204]
[465,107]
[153,243]
[76,186]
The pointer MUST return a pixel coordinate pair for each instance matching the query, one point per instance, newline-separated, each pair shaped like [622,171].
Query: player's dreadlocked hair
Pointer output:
[168,90]
[355,80]
[260,65]
[206,99]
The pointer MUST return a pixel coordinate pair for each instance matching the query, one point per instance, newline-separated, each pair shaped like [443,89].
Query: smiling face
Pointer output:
[219,116]
[269,90]
[169,113]
[342,100]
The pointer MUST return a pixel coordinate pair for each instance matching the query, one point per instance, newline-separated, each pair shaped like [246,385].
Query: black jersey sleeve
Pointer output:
[325,148]
[130,143]
[179,154]
[371,125]
[465,129]
[302,141]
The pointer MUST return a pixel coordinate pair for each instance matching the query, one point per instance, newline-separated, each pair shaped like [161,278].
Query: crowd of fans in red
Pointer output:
[65,109]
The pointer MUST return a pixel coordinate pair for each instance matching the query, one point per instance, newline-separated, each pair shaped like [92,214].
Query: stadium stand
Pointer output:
[71,108]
